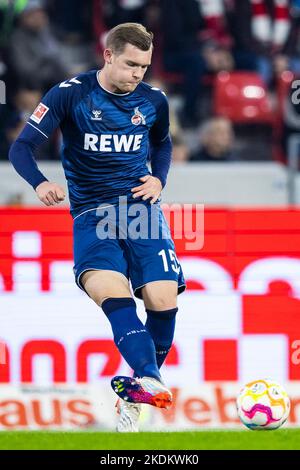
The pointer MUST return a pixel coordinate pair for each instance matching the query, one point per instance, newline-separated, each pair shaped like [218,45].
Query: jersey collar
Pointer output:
[107,91]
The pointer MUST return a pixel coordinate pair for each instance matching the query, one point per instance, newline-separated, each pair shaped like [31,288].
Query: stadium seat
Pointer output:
[242,97]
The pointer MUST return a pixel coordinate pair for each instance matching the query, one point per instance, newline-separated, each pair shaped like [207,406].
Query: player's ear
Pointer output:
[107,55]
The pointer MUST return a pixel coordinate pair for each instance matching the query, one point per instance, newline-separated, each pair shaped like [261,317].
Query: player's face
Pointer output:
[127,70]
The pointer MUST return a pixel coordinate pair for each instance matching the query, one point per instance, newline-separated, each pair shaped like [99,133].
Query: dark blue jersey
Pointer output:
[107,137]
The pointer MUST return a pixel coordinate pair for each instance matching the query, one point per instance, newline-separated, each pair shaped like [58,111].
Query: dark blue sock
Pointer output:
[161,326]
[131,336]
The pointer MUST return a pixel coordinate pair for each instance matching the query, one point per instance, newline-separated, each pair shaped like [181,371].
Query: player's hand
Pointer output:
[50,193]
[151,188]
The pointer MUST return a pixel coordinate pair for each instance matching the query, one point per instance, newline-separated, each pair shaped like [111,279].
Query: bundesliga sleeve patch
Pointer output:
[39,113]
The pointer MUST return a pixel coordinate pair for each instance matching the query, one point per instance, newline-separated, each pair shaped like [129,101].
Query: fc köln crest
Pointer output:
[138,118]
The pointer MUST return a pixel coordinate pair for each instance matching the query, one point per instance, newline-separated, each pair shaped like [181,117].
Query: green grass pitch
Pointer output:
[288,439]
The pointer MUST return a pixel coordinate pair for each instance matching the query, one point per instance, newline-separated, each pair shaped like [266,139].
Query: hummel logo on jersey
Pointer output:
[68,83]
[96,115]
[138,117]
[112,143]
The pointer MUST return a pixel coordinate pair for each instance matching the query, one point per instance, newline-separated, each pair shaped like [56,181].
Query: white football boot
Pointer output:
[129,414]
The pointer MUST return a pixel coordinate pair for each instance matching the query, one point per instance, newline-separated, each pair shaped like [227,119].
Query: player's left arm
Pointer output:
[47,117]
[161,153]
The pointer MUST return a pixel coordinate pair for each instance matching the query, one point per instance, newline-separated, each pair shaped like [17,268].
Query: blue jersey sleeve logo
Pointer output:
[39,113]
[68,83]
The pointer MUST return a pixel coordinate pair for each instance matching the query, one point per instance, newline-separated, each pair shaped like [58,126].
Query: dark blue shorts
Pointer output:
[136,243]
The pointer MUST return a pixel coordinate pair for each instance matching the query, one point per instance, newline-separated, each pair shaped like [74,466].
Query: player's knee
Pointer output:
[102,295]
[161,302]
[160,297]
[101,285]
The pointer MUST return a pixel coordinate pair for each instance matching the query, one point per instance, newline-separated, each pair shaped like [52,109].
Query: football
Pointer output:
[263,405]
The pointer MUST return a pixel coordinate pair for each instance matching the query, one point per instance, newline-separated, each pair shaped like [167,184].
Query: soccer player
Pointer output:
[112,123]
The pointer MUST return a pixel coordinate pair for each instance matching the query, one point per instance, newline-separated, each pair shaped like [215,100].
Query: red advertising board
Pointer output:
[248,266]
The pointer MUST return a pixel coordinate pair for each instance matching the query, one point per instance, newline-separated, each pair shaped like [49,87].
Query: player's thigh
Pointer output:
[104,284]
[160,295]
[100,266]
[151,258]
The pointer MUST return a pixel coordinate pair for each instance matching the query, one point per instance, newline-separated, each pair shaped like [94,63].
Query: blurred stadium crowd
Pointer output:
[226,65]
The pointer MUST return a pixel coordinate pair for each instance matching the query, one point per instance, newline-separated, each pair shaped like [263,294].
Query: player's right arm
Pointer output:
[44,120]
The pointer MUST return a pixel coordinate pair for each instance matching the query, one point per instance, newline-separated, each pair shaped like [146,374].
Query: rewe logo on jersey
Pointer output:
[112,142]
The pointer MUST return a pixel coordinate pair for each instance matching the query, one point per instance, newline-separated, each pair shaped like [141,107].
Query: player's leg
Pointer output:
[111,291]
[102,285]
[160,299]
[157,281]
[151,260]
[101,270]
[129,414]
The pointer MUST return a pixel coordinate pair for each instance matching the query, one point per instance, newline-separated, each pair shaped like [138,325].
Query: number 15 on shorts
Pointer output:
[169,259]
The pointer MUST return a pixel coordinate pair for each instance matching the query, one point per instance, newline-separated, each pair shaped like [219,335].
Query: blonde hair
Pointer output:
[129,33]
